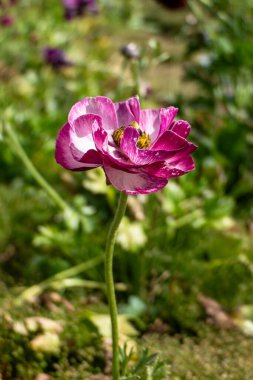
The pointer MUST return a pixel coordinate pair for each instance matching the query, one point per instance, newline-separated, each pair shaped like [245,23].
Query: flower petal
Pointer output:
[150,122]
[63,153]
[186,165]
[128,111]
[91,157]
[81,133]
[170,141]
[139,156]
[100,106]
[100,137]
[170,170]
[180,154]
[108,151]
[167,116]
[82,145]
[156,121]
[133,182]
[182,128]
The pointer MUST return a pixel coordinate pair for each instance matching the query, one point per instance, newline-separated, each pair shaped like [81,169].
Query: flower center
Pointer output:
[117,135]
[143,141]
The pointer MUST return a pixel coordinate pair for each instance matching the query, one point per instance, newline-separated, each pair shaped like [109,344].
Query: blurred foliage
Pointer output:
[192,238]
[219,54]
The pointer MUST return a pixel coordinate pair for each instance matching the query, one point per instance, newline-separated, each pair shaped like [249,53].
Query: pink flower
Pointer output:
[139,150]
[6,21]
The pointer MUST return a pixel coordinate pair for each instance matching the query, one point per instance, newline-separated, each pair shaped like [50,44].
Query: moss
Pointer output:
[80,349]
[213,355]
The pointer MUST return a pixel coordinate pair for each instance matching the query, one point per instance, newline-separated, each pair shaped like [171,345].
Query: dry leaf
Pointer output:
[216,315]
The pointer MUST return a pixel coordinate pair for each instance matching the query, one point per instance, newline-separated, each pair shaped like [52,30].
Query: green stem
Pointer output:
[37,289]
[121,79]
[110,283]
[135,69]
[33,171]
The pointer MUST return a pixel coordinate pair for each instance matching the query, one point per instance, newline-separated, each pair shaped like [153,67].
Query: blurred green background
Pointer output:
[184,259]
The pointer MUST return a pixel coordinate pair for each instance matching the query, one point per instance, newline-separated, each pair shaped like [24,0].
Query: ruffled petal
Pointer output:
[186,165]
[91,157]
[167,116]
[138,156]
[180,154]
[128,143]
[100,106]
[150,122]
[170,141]
[171,170]
[133,182]
[156,121]
[64,156]
[108,151]
[128,111]
[82,145]
[81,132]
[100,137]
[182,128]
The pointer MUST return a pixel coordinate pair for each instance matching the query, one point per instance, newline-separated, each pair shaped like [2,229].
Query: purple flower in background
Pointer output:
[130,51]
[173,4]
[139,150]
[55,57]
[75,8]
[6,21]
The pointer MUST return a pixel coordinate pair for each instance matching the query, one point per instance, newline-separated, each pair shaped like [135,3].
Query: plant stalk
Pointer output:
[135,69]
[33,171]
[121,208]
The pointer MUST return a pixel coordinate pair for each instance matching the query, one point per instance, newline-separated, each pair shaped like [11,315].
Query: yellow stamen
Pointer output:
[117,135]
[143,141]
[135,125]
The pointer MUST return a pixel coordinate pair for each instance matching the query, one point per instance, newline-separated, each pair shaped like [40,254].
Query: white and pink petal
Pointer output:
[156,121]
[136,182]
[128,111]
[171,170]
[81,133]
[167,116]
[64,154]
[150,122]
[100,106]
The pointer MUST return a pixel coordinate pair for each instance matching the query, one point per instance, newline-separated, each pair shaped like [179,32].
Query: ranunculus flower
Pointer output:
[139,150]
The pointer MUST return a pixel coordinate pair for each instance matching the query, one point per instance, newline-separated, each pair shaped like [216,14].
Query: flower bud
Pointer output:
[130,51]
